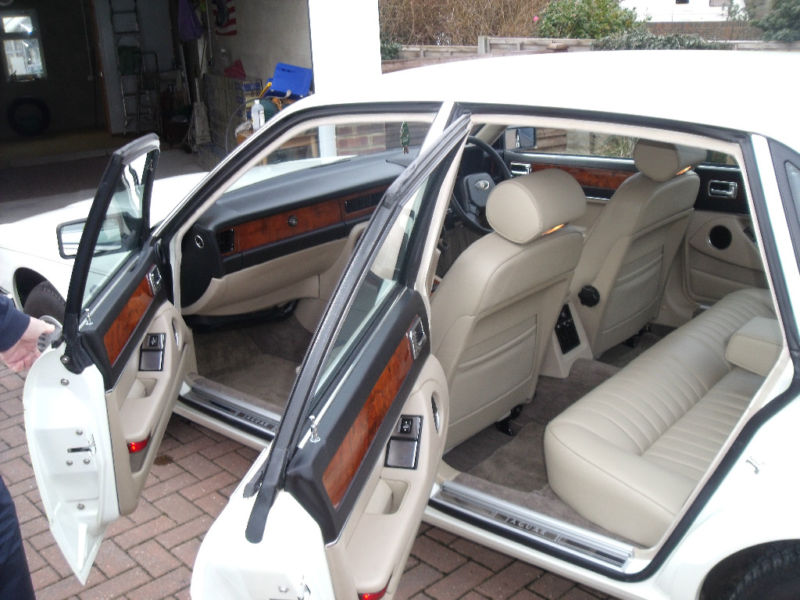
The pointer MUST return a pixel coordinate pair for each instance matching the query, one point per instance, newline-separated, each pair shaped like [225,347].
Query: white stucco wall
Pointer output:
[345,43]
[268,32]
[339,41]
[661,11]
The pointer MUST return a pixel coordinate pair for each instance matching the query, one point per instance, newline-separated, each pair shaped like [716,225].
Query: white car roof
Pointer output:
[752,91]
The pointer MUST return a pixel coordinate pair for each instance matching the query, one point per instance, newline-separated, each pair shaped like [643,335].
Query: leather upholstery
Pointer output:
[631,246]
[523,208]
[493,312]
[628,454]
[756,346]
[661,161]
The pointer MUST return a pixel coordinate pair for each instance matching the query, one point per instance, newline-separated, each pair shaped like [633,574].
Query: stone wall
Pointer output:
[416,56]
[710,30]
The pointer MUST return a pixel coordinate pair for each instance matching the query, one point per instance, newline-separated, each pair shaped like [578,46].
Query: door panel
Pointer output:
[720,250]
[721,255]
[599,176]
[364,427]
[96,414]
[140,404]
[66,425]
[124,323]
[367,554]
[330,474]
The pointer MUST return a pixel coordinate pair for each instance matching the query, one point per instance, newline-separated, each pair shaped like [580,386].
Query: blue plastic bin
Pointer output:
[290,78]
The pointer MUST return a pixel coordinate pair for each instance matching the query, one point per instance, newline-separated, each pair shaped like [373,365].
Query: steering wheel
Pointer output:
[472,191]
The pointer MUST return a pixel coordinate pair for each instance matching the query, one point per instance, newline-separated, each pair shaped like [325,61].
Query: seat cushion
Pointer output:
[629,453]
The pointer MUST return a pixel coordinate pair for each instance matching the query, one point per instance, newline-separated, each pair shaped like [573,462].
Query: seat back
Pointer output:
[494,310]
[630,248]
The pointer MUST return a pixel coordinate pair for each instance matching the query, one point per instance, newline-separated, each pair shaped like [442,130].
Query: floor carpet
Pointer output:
[259,359]
[513,468]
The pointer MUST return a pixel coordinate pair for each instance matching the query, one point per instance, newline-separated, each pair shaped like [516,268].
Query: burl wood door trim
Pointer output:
[606,179]
[129,317]
[350,454]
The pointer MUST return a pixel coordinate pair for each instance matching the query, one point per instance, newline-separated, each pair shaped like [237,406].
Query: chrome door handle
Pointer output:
[518,168]
[417,337]
[722,189]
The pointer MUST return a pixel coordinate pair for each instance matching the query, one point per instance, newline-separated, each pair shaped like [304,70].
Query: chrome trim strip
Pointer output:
[231,408]
[540,528]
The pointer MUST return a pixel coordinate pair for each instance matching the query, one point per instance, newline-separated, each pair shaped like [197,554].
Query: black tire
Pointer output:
[28,116]
[43,300]
[775,576]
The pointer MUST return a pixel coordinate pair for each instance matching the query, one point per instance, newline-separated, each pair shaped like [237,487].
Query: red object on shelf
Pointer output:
[236,70]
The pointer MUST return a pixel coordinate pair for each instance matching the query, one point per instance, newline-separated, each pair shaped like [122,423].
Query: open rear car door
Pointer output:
[332,508]
[97,404]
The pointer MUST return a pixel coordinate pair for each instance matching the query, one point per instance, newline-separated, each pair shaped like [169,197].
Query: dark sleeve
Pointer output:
[13,323]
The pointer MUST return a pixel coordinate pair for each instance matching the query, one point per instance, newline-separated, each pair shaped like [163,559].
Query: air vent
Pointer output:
[362,202]
[226,241]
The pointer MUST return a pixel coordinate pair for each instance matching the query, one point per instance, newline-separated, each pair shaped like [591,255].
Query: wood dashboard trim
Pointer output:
[285,225]
[298,221]
[351,452]
[129,317]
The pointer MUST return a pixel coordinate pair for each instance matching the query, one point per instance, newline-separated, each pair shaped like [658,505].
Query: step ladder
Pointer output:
[139,75]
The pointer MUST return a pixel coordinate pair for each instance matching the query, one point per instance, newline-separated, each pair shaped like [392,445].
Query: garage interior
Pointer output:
[82,77]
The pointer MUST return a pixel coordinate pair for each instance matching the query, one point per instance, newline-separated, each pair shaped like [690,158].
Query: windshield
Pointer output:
[337,142]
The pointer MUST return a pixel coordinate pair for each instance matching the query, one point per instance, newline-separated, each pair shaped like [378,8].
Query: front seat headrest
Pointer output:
[522,208]
[661,161]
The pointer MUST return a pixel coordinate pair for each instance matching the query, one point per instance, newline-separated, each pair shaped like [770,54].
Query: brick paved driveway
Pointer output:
[149,554]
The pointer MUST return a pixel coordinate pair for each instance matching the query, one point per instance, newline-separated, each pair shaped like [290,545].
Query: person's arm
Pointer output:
[18,336]
[13,323]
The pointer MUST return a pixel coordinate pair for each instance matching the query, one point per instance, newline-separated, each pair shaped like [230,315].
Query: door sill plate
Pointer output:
[535,527]
[232,410]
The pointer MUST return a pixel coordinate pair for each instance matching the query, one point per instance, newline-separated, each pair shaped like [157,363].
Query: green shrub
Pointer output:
[782,23]
[585,19]
[389,50]
[642,39]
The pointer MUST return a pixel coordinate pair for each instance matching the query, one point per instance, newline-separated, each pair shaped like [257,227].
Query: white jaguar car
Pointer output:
[548,303]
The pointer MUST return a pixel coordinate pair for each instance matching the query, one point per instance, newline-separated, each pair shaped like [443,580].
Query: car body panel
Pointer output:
[348,517]
[119,367]
[66,424]
[660,81]
[366,503]
[24,221]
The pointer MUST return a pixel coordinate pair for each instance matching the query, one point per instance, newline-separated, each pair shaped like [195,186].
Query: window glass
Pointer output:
[577,143]
[22,46]
[335,143]
[584,143]
[120,234]
[18,24]
[382,278]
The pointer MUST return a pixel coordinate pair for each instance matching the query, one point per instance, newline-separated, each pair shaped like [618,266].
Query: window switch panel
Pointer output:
[154,341]
[151,354]
[403,449]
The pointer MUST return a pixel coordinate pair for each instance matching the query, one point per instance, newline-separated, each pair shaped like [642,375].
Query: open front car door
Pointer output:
[332,508]
[97,404]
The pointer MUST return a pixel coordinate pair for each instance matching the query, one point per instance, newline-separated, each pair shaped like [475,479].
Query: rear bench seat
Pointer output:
[628,454]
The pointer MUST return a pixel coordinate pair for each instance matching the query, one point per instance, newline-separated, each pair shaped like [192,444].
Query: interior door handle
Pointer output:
[723,189]
[518,168]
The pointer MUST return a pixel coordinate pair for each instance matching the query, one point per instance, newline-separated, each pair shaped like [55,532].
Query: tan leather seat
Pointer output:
[629,249]
[629,453]
[497,305]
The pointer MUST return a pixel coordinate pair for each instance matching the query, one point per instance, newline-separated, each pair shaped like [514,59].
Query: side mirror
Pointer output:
[113,237]
[520,138]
